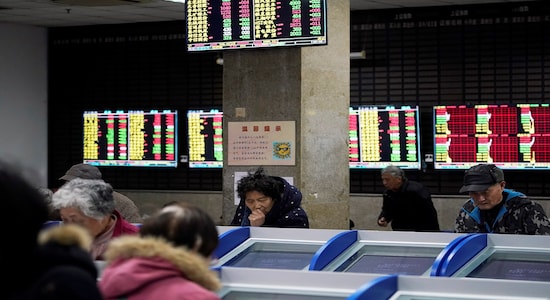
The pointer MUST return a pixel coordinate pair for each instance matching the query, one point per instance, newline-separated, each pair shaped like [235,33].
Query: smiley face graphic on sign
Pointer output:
[281,150]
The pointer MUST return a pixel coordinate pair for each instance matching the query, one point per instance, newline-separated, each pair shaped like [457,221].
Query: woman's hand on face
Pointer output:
[256,218]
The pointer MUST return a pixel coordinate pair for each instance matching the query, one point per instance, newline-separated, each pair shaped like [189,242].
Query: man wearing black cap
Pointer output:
[494,209]
[124,205]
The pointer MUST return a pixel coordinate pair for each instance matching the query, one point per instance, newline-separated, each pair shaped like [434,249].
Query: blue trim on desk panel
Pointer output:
[230,239]
[465,250]
[332,248]
[442,257]
[379,288]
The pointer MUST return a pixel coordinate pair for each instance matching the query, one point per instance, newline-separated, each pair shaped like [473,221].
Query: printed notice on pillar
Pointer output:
[261,143]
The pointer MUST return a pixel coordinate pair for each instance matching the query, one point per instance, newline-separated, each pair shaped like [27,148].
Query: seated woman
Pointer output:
[269,201]
[90,203]
[170,259]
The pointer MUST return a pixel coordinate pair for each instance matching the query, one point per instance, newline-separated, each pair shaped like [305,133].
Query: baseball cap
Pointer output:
[81,170]
[480,177]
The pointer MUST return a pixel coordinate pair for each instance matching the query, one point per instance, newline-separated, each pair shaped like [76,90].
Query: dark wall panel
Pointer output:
[134,66]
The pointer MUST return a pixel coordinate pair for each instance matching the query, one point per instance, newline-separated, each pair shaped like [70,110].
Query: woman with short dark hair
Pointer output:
[269,201]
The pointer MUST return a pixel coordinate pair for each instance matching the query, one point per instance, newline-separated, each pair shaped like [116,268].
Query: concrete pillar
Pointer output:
[309,85]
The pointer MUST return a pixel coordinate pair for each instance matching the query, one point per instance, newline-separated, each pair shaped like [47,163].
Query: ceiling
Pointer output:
[59,13]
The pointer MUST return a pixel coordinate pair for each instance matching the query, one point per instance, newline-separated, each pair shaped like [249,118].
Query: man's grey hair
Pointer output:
[394,171]
[94,197]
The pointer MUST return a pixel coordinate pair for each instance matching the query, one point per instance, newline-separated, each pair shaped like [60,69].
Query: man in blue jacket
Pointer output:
[495,209]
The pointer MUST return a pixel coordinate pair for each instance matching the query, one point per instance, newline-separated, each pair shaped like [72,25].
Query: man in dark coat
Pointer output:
[407,204]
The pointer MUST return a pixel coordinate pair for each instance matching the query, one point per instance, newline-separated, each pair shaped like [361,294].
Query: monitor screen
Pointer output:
[134,138]
[513,136]
[390,264]
[205,137]
[272,260]
[274,256]
[241,24]
[513,269]
[384,135]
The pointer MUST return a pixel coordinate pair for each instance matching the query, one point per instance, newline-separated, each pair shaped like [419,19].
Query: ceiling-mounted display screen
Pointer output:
[511,136]
[242,24]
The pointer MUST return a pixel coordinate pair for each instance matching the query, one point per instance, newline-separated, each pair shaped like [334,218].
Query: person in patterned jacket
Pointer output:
[494,209]
[269,201]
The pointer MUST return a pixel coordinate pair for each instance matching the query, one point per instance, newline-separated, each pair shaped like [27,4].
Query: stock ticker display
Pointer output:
[205,136]
[134,138]
[239,24]
[384,135]
[515,136]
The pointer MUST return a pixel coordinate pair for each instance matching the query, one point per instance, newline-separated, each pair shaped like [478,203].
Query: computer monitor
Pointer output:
[391,264]
[275,256]
[519,269]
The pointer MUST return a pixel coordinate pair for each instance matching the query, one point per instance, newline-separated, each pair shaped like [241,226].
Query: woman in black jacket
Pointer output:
[269,201]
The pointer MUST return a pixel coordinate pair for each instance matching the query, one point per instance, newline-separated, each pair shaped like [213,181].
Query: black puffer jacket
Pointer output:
[286,213]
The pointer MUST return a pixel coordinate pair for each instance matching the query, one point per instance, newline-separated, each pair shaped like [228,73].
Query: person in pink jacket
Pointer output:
[170,259]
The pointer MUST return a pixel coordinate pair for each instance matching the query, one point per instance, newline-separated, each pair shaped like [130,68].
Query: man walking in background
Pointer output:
[407,204]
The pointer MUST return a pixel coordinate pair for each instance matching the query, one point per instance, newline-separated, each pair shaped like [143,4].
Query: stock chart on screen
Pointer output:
[513,136]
